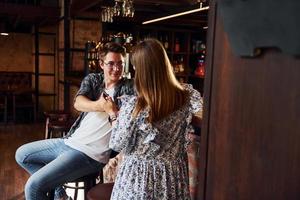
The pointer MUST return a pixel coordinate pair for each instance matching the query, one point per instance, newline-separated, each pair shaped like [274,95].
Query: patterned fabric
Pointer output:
[193,158]
[155,162]
[92,87]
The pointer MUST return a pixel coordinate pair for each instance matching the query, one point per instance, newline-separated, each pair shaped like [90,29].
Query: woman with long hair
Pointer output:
[151,129]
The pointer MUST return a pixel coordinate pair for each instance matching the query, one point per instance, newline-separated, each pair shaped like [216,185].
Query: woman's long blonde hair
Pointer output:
[156,84]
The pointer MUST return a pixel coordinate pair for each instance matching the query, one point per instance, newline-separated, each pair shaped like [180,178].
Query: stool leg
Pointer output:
[47,129]
[63,133]
[49,135]
[76,191]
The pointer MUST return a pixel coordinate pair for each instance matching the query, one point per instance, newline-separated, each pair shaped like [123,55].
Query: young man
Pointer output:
[84,150]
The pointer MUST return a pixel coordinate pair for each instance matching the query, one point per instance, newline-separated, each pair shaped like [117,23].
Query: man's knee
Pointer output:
[20,155]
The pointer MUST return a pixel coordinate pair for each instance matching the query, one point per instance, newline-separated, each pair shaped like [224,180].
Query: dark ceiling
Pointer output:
[20,15]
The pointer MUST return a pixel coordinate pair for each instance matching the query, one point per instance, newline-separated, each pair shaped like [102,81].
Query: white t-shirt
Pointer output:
[93,134]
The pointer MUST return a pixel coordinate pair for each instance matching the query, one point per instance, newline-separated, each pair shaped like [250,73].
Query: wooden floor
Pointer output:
[12,177]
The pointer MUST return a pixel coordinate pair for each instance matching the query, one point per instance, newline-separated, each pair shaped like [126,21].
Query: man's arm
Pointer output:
[84,100]
[84,104]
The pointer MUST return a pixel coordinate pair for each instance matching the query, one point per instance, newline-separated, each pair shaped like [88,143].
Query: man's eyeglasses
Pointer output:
[117,65]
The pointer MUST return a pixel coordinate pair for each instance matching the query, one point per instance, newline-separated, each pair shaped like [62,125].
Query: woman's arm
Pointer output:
[196,101]
[123,127]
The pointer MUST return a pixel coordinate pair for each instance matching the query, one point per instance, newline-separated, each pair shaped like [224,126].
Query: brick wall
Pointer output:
[16,52]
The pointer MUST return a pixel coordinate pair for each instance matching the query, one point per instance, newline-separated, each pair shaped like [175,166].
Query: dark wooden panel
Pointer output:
[29,10]
[251,125]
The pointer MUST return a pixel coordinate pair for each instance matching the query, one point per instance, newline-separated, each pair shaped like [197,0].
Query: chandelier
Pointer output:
[122,8]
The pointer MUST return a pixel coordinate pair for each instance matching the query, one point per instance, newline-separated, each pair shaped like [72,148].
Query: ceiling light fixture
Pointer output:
[201,8]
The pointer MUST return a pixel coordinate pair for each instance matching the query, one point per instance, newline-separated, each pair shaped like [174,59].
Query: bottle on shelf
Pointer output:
[181,64]
[119,38]
[177,45]
[200,69]
[166,43]
[128,47]
[128,43]
[91,57]
[194,46]
[176,67]
[198,46]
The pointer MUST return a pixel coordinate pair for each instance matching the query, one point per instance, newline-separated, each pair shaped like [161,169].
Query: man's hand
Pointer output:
[99,103]
[110,107]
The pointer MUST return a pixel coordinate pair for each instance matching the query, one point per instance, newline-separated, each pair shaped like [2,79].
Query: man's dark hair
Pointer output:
[111,47]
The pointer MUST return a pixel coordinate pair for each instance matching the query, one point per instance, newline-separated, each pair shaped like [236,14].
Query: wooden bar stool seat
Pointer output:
[58,128]
[58,115]
[57,121]
[100,192]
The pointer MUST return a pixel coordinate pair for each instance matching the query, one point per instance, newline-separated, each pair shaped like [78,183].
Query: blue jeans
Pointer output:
[51,163]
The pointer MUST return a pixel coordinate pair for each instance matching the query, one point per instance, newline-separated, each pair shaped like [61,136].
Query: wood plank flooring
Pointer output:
[13,177]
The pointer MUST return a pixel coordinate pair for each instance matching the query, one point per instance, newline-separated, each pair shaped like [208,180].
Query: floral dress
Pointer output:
[155,158]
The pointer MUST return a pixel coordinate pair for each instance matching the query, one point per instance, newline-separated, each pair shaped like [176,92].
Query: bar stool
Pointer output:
[100,192]
[92,181]
[89,182]
[58,128]
[57,121]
